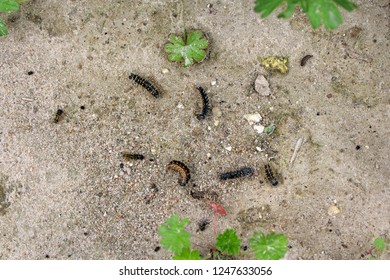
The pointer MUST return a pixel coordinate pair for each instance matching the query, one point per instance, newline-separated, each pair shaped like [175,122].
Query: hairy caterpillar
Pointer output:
[270,175]
[305,59]
[183,170]
[245,171]
[129,156]
[205,104]
[145,84]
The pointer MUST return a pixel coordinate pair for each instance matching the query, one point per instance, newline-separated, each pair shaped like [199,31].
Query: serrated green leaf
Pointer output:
[348,5]
[187,254]
[271,246]
[380,244]
[187,52]
[8,6]
[3,28]
[289,10]
[318,11]
[173,235]
[228,241]
[266,7]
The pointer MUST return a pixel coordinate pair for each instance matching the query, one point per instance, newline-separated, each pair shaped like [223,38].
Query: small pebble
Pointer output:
[153,151]
[228,148]
[259,149]
[180,106]
[259,128]
[333,210]
[213,83]
[262,86]
[216,122]
[253,118]
[165,71]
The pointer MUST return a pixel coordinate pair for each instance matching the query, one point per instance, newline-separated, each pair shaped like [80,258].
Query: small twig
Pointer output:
[298,146]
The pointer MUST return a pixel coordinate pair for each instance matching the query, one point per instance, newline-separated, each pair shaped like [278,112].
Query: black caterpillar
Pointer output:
[205,103]
[129,156]
[245,171]
[145,84]
[270,175]
[203,223]
[305,59]
[183,170]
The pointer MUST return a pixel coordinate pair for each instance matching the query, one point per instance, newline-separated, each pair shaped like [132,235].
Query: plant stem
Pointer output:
[183,20]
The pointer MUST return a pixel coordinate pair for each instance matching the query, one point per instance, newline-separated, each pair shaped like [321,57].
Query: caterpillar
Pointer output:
[183,170]
[145,84]
[305,59]
[129,156]
[59,115]
[245,171]
[205,103]
[270,175]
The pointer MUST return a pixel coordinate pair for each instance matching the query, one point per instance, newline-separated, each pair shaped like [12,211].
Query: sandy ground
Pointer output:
[64,193]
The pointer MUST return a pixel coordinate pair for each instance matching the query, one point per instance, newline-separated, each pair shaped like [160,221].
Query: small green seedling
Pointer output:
[174,237]
[379,247]
[318,11]
[187,49]
[8,6]
[269,129]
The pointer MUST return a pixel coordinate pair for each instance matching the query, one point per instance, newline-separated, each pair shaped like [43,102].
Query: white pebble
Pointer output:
[228,148]
[165,71]
[259,128]
[213,83]
[180,106]
[259,149]
[253,118]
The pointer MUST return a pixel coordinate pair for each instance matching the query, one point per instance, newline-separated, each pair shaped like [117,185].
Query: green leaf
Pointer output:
[349,6]
[186,52]
[271,246]
[8,6]
[228,241]
[3,28]
[380,244]
[173,234]
[266,7]
[187,254]
[269,129]
[318,11]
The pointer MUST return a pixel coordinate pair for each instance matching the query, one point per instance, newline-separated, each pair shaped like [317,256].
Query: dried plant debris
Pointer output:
[274,63]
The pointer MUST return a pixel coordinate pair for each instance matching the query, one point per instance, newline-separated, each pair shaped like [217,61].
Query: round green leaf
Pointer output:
[271,246]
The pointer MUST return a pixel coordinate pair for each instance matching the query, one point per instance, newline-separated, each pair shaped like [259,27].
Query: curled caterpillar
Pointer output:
[129,156]
[183,170]
[145,84]
[245,171]
[205,104]
[270,175]
[305,59]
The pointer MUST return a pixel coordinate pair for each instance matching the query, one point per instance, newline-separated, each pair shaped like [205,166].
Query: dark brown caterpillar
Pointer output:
[183,171]
[145,84]
[205,104]
[245,171]
[59,115]
[305,59]
[129,156]
[270,175]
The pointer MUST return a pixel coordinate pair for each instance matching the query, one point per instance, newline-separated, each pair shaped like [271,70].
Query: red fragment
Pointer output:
[218,208]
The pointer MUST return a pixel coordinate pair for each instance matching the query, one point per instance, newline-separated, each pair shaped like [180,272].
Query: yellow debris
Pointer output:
[275,63]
